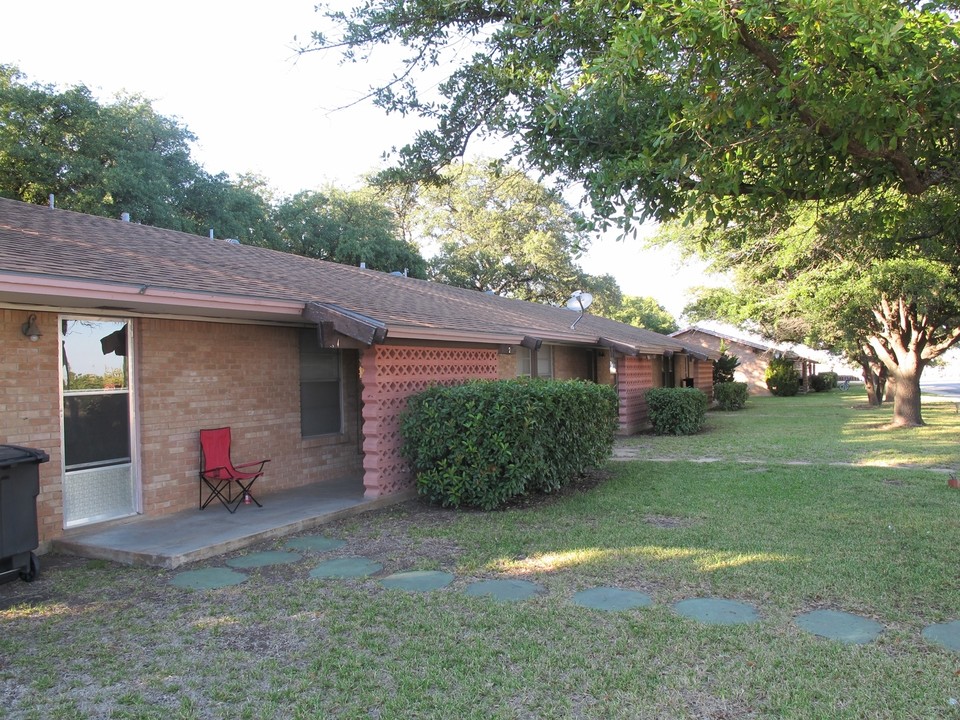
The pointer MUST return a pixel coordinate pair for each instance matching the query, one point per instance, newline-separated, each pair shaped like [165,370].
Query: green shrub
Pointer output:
[782,377]
[824,382]
[676,411]
[730,395]
[724,368]
[482,443]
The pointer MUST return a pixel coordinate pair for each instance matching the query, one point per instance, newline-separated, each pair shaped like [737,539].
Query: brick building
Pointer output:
[148,335]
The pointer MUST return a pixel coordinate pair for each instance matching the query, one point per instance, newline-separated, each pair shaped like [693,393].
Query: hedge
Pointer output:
[730,395]
[824,382]
[484,442]
[782,377]
[676,411]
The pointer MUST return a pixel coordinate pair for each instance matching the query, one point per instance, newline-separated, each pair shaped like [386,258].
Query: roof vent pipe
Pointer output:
[51,199]
[363,265]
[211,233]
[125,217]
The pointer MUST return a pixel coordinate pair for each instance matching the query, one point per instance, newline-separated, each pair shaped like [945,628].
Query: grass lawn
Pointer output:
[807,504]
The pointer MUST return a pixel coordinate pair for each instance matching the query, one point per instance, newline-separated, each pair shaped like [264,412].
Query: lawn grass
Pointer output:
[91,639]
[836,427]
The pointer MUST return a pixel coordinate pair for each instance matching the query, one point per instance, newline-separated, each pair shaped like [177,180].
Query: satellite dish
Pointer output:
[579,301]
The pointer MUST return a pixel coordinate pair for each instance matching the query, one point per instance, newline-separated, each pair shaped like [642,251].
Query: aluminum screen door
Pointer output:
[98,479]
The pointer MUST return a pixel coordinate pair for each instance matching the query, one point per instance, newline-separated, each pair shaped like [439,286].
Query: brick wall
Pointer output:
[194,375]
[30,406]
[187,376]
[570,363]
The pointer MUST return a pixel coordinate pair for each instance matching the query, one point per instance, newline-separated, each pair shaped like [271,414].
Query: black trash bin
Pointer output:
[19,487]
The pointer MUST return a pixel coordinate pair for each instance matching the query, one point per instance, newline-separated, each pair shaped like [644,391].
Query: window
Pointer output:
[544,362]
[320,401]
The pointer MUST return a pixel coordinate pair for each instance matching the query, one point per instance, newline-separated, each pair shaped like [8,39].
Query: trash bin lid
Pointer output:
[11,455]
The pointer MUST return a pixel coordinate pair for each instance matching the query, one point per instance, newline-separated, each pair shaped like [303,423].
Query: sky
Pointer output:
[229,71]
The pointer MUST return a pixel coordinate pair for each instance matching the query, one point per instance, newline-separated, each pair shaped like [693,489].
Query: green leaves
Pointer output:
[482,443]
[676,411]
[659,108]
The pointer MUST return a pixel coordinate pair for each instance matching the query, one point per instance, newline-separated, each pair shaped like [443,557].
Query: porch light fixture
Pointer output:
[30,328]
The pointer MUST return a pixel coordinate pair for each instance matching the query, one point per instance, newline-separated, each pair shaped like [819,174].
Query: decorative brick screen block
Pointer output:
[704,377]
[634,378]
[390,375]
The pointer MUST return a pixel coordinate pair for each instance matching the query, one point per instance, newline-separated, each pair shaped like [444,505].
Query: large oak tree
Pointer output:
[878,278]
[724,108]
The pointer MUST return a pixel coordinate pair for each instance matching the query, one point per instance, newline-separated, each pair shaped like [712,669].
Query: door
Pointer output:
[99,472]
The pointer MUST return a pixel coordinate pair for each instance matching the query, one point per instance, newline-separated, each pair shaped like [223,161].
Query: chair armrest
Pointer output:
[261,463]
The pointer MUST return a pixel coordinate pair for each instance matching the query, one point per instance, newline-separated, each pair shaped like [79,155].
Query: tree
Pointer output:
[878,278]
[348,227]
[497,230]
[644,312]
[106,159]
[727,109]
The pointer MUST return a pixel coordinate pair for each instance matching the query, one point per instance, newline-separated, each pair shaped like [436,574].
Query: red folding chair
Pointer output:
[224,480]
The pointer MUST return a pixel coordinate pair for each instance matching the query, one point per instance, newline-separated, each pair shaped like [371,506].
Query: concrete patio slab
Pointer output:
[173,540]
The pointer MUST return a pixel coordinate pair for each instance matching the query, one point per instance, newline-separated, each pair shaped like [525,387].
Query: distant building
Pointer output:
[754,354]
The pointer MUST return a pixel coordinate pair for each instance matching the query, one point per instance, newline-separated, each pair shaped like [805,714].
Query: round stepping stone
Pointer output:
[315,543]
[504,590]
[945,634]
[611,598]
[716,611]
[207,579]
[418,580]
[263,559]
[346,567]
[843,626]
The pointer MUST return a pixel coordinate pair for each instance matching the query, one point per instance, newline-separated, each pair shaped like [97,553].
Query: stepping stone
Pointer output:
[611,599]
[418,580]
[716,611]
[207,579]
[346,567]
[315,543]
[945,634]
[842,626]
[263,559]
[504,590]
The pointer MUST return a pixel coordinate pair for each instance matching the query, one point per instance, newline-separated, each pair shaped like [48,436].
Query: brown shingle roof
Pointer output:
[41,244]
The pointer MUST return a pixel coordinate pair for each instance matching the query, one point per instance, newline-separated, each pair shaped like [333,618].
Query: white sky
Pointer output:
[228,71]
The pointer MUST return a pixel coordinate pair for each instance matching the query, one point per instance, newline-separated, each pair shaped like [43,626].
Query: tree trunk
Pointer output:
[906,401]
[874,378]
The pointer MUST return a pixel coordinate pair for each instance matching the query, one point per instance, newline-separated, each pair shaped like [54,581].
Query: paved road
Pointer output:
[945,389]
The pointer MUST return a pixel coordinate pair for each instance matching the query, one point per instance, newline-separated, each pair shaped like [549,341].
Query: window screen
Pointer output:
[320,402]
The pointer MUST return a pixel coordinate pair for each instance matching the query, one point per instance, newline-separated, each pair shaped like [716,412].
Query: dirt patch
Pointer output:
[668,522]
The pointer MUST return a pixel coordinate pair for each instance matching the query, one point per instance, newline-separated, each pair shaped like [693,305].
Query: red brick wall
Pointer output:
[30,406]
[390,375]
[187,376]
[570,363]
[194,375]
